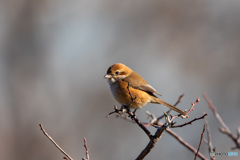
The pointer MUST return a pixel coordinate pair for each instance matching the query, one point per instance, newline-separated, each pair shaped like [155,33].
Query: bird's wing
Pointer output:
[148,88]
[137,82]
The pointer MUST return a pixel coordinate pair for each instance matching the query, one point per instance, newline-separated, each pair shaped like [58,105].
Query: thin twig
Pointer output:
[193,104]
[125,117]
[183,142]
[187,145]
[209,139]
[204,126]
[119,111]
[160,131]
[87,153]
[133,117]
[178,101]
[190,122]
[224,128]
[50,138]
[186,116]
[154,138]
[153,117]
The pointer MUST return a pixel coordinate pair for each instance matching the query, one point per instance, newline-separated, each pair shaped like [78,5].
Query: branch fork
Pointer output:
[155,122]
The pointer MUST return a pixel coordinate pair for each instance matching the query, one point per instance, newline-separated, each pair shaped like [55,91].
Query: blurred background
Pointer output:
[54,54]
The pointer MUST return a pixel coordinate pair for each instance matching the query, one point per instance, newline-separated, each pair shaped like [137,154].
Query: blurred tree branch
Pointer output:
[209,139]
[52,140]
[59,148]
[224,128]
[204,126]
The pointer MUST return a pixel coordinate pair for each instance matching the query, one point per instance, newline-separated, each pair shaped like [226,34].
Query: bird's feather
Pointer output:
[140,84]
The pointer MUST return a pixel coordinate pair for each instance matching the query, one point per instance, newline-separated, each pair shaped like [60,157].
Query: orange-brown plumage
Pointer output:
[119,76]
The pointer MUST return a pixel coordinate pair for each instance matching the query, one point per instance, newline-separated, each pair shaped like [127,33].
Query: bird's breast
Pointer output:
[119,93]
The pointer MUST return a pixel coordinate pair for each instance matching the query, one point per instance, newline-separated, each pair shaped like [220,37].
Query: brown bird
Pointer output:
[120,76]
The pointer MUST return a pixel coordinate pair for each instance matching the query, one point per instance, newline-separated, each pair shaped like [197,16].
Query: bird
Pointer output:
[128,87]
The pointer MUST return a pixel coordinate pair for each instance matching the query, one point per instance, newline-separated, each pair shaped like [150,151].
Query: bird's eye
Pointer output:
[116,72]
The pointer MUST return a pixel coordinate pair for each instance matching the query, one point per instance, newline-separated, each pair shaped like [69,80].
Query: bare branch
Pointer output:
[85,146]
[192,107]
[204,126]
[178,101]
[152,142]
[58,147]
[183,142]
[209,141]
[133,117]
[186,144]
[119,111]
[186,116]
[155,122]
[190,122]
[140,124]
[224,128]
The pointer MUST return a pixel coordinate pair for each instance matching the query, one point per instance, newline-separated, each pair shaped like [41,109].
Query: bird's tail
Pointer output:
[159,101]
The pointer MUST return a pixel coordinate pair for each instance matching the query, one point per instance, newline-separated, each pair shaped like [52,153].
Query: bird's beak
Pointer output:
[107,76]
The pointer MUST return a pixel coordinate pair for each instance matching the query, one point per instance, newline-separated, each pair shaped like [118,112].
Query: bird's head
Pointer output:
[116,72]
